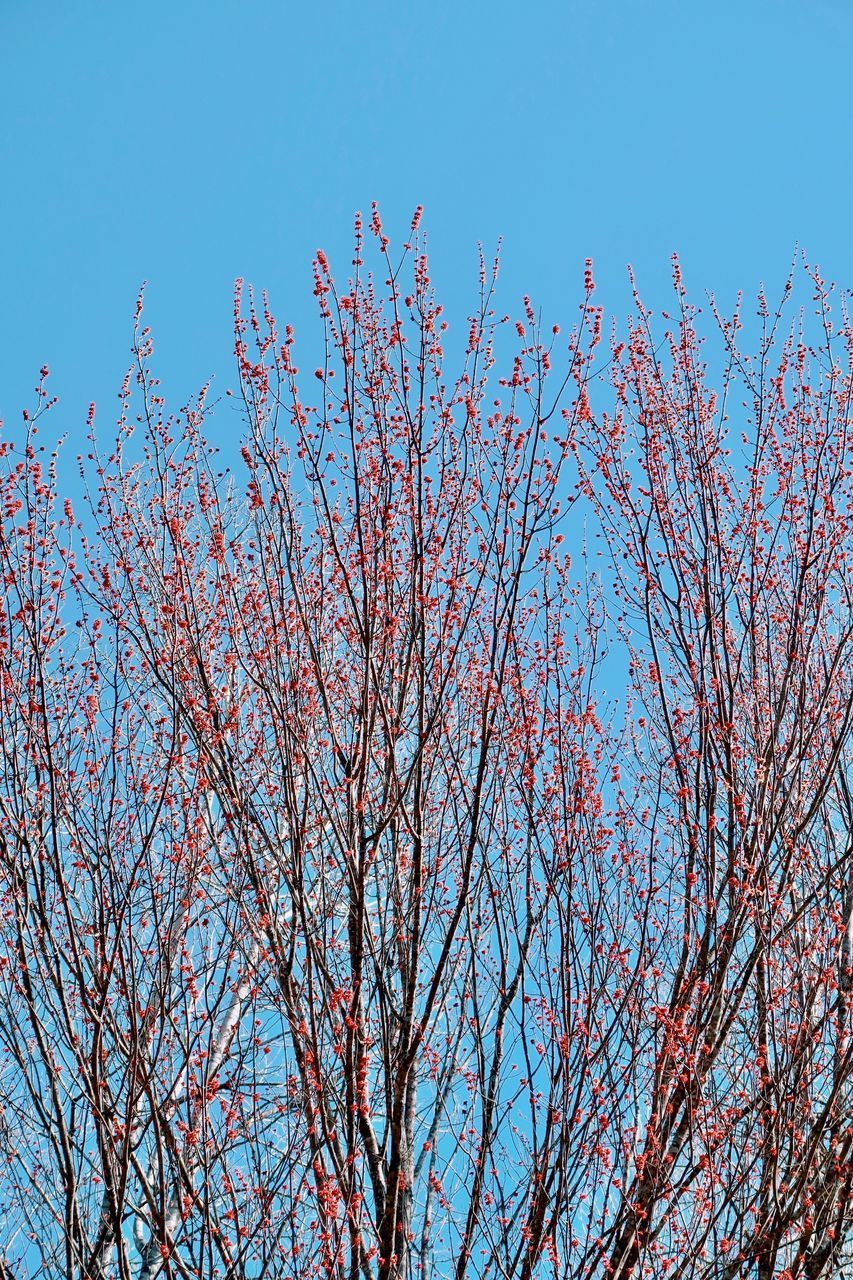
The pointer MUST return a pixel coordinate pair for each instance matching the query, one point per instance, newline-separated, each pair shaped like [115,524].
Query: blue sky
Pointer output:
[187,143]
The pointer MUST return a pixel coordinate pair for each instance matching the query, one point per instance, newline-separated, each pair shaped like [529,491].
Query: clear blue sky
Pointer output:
[187,143]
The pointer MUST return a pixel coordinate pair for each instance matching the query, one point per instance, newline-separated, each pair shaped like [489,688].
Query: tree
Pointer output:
[732,579]
[349,928]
